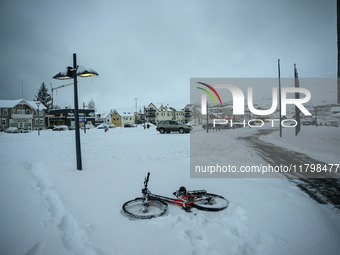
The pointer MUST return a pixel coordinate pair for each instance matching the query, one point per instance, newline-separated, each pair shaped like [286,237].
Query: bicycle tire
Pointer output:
[215,203]
[136,209]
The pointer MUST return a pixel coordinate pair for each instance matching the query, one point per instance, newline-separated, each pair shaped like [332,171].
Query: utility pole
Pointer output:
[338,33]
[278,62]
[52,95]
[207,118]
[136,112]
[316,117]
[297,96]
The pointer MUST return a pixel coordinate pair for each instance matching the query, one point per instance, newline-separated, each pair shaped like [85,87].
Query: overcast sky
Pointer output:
[150,49]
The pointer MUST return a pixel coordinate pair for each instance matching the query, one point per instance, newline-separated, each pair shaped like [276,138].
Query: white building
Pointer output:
[127,118]
[155,115]
[21,114]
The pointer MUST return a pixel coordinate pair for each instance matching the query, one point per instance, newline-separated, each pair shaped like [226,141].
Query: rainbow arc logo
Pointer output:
[209,93]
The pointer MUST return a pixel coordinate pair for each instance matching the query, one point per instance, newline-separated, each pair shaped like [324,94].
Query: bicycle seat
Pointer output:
[182,191]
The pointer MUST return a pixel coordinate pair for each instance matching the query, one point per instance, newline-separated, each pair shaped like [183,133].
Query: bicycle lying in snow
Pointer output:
[152,205]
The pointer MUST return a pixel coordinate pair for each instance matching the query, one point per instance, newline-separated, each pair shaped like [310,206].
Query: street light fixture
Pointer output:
[38,104]
[72,73]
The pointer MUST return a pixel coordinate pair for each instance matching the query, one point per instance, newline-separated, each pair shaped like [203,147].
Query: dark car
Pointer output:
[129,125]
[168,126]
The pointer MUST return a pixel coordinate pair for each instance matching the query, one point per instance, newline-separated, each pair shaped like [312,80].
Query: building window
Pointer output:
[37,122]
[3,122]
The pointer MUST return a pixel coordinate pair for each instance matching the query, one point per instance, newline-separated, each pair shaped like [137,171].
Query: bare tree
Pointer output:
[91,105]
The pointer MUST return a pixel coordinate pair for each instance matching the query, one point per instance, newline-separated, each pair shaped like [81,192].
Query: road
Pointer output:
[322,187]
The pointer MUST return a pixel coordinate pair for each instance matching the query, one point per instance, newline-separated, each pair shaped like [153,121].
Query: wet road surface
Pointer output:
[322,187]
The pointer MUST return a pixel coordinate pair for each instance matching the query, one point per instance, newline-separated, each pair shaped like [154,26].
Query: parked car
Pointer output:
[12,130]
[307,122]
[102,126]
[129,125]
[168,126]
[60,128]
[89,126]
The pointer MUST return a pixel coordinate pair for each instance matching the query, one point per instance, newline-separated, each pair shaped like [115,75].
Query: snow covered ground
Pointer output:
[48,207]
[321,143]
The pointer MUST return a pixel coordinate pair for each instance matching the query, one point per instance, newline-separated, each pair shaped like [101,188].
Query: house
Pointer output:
[155,115]
[150,113]
[21,114]
[140,117]
[100,118]
[335,112]
[127,118]
[107,118]
[116,119]
[66,117]
[188,113]
[120,119]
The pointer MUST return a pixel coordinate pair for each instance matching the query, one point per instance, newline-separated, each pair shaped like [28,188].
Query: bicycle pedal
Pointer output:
[187,209]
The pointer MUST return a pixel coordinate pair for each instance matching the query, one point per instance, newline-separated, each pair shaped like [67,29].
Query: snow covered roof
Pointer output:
[125,114]
[13,103]
[9,103]
[34,105]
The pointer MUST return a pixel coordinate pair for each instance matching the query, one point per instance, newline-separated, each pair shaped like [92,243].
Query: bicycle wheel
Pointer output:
[211,202]
[137,209]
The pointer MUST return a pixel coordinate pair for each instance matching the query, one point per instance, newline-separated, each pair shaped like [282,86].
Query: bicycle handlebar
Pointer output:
[146,180]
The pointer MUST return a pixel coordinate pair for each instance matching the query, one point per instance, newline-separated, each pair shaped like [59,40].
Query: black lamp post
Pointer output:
[72,73]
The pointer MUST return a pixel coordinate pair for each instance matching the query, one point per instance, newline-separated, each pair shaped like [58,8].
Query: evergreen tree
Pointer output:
[44,97]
